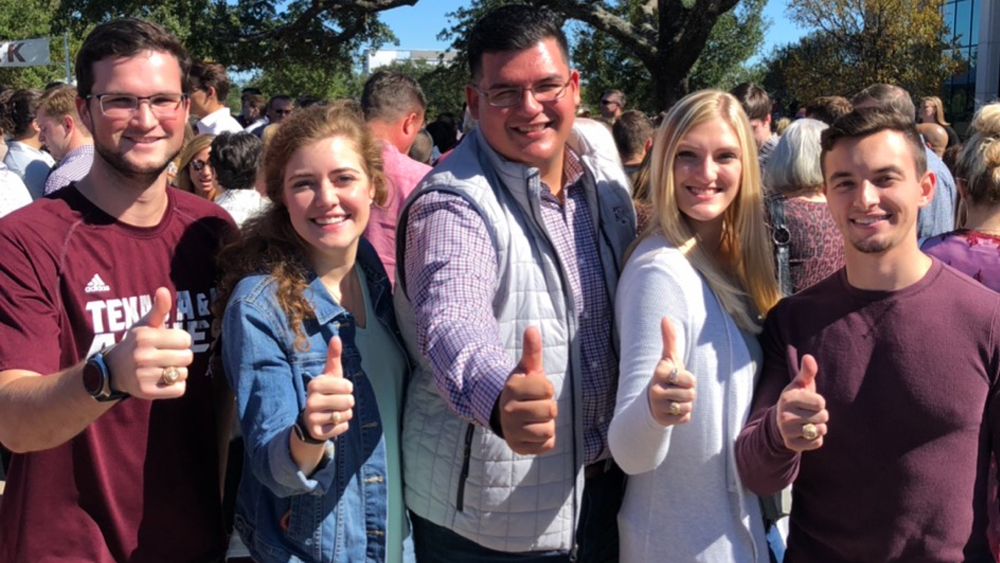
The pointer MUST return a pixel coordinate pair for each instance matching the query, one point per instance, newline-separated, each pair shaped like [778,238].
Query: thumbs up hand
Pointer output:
[151,361]
[329,397]
[671,390]
[801,411]
[527,407]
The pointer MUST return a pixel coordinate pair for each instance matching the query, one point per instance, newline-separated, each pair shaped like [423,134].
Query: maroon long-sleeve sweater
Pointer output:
[910,378]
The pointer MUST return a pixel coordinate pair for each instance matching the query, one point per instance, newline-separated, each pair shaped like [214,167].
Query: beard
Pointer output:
[137,174]
[872,246]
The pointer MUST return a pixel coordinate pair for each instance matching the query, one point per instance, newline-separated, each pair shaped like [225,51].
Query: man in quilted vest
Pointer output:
[508,259]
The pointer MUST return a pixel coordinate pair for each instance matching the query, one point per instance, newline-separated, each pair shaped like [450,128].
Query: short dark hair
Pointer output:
[23,108]
[276,97]
[127,37]
[888,96]
[250,90]
[828,108]
[235,157]
[869,121]
[515,27]
[754,99]
[389,96]
[631,131]
[255,100]
[205,75]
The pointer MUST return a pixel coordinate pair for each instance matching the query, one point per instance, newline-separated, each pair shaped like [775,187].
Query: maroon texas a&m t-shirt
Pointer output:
[141,483]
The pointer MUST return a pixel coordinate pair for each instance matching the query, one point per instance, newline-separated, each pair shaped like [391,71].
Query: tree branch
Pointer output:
[291,30]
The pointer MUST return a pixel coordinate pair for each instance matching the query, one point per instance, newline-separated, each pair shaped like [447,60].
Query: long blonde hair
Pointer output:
[938,109]
[746,286]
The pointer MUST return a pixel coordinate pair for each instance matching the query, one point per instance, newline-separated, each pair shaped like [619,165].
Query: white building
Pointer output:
[384,57]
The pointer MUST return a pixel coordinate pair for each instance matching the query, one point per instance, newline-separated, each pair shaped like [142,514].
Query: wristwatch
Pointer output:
[302,431]
[97,378]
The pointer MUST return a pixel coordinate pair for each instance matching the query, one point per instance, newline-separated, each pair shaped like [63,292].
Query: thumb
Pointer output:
[806,379]
[333,353]
[669,341]
[531,351]
[157,316]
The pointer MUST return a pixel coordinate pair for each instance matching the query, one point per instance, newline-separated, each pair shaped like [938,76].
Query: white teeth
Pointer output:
[705,191]
[531,128]
[869,221]
[330,220]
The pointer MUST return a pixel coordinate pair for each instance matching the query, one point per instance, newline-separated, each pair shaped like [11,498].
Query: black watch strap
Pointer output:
[302,430]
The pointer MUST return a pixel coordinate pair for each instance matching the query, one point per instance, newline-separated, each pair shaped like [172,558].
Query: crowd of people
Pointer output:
[323,330]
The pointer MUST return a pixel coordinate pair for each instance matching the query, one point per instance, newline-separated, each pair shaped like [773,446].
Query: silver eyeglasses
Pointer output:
[120,106]
[510,96]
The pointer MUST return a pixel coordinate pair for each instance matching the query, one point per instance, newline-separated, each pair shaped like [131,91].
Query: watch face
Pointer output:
[93,379]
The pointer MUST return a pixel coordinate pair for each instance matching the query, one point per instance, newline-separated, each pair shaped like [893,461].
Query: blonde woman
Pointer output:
[932,111]
[689,306]
[194,173]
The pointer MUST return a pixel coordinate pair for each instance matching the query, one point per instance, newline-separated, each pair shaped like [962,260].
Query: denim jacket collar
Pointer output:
[327,308]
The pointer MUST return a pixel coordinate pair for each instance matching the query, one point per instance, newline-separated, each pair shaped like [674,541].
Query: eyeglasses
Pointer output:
[198,164]
[121,106]
[506,97]
[282,111]
[610,102]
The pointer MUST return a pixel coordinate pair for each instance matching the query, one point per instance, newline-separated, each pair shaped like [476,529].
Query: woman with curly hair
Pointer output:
[689,305]
[932,111]
[194,173]
[311,348]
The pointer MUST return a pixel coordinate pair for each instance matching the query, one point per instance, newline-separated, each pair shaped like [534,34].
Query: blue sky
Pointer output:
[417,26]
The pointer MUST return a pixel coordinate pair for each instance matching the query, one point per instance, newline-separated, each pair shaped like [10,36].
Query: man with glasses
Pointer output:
[105,327]
[612,105]
[508,259]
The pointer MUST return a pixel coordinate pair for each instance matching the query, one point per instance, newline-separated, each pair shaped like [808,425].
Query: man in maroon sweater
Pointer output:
[884,424]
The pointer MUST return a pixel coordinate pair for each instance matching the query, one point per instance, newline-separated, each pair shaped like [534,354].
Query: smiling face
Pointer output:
[874,192]
[531,132]
[329,198]
[707,174]
[140,146]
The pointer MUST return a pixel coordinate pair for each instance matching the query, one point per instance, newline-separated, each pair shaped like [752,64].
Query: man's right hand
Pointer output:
[800,406]
[527,407]
[137,362]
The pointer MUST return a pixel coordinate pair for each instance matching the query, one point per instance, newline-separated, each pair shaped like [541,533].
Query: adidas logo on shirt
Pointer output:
[96,285]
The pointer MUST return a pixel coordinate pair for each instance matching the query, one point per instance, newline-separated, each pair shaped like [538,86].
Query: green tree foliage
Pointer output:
[856,43]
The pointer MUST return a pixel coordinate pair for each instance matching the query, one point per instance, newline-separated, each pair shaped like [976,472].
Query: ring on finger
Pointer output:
[170,375]
[672,376]
[675,408]
[335,418]
[810,432]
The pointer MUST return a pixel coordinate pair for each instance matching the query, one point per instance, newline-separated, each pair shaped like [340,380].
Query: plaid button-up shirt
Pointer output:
[451,269]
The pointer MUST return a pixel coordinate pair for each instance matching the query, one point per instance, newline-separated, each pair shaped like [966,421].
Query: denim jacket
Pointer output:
[339,512]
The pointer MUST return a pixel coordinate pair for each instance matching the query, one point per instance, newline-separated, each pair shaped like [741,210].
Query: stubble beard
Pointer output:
[135,174]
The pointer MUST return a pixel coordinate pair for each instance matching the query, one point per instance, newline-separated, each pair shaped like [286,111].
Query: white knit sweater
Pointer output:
[684,501]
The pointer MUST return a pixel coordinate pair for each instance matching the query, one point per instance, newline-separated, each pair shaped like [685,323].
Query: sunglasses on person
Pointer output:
[198,164]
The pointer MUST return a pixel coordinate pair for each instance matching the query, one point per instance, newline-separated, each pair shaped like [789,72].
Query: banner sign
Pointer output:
[27,52]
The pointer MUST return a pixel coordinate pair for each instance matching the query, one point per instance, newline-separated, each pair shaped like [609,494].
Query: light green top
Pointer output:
[383,362]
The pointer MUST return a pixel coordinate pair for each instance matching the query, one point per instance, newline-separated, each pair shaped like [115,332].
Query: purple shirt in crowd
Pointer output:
[451,272]
[402,174]
[974,253]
